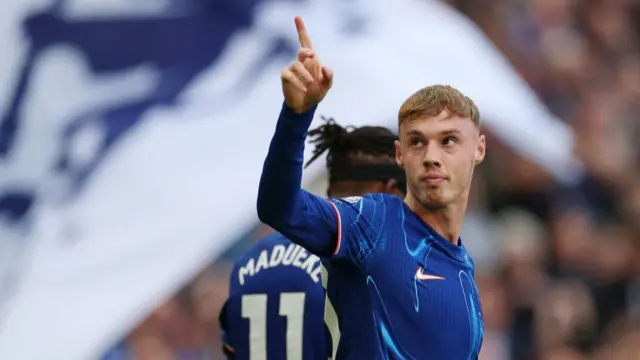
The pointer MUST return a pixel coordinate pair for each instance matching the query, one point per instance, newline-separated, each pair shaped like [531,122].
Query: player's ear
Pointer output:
[481,149]
[399,159]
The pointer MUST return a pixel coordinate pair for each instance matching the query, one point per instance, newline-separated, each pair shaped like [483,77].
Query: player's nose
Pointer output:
[432,156]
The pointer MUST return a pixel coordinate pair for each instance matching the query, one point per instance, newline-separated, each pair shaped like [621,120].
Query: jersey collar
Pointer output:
[457,252]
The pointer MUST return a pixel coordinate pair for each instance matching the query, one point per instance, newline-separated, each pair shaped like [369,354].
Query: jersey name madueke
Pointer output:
[292,255]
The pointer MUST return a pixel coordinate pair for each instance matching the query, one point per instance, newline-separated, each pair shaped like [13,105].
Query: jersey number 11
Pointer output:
[254,308]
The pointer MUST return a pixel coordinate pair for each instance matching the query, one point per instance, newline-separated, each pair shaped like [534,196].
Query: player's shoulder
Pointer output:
[366,207]
[372,199]
[368,210]
[275,263]
[468,260]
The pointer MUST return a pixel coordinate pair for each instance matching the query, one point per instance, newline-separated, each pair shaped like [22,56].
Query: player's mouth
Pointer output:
[433,179]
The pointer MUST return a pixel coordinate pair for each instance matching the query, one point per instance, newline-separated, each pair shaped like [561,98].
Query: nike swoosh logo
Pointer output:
[421,276]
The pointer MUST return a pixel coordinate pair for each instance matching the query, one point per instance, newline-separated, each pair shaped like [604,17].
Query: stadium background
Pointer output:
[557,265]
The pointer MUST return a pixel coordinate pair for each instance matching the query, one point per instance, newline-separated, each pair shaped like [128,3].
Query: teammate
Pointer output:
[276,303]
[399,279]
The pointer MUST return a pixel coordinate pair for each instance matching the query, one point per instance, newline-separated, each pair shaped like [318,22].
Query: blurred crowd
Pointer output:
[558,266]
[565,281]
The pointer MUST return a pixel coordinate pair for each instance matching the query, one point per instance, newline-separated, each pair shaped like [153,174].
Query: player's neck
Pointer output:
[446,221]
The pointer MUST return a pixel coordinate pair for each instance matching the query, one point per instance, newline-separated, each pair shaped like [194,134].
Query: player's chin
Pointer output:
[433,200]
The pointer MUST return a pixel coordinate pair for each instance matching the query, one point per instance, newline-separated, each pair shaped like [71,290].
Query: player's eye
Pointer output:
[416,142]
[449,141]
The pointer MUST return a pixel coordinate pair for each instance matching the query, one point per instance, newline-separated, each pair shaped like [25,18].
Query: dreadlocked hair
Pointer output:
[343,144]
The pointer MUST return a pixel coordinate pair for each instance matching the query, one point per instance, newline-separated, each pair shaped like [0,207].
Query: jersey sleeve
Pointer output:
[304,218]
[361,222]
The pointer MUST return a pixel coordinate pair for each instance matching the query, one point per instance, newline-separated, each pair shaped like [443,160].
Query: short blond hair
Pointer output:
[432,100]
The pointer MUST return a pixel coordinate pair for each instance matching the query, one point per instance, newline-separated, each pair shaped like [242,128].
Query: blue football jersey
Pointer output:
[396,288]
[276,304]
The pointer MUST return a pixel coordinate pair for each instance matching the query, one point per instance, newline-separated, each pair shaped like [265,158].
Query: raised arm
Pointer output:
[299,215]
[306,219]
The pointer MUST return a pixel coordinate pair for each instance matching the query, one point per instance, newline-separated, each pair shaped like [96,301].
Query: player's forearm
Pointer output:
[281,181]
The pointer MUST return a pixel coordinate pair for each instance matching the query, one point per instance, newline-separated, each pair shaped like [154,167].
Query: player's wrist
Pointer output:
[299,111]
[297,123]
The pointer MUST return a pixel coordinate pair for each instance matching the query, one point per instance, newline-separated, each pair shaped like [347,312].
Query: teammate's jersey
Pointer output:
[399,290]
[276,303]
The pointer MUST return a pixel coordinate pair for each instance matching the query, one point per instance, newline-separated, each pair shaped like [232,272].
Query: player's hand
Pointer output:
[305,82]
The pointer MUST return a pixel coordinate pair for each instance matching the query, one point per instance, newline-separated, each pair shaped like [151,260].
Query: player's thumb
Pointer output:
[327,77]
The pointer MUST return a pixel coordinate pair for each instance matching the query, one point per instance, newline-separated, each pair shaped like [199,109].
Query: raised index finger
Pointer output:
[303,36]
